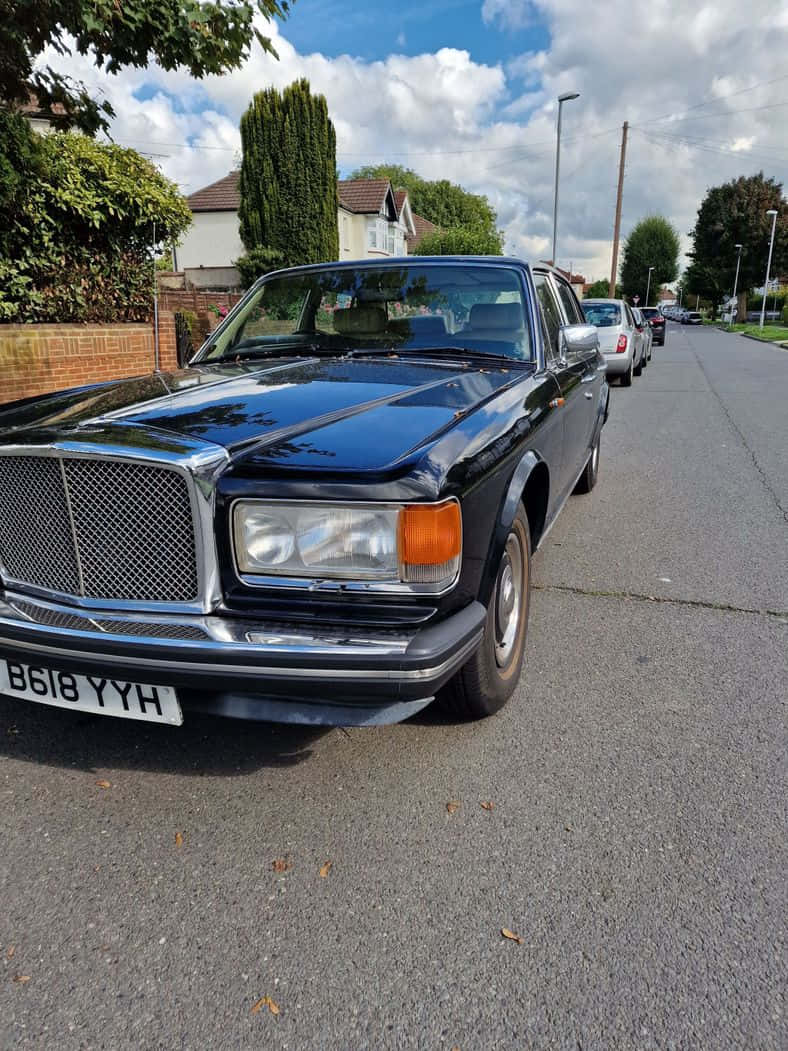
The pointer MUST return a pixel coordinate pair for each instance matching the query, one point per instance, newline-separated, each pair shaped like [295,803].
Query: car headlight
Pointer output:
[394,543]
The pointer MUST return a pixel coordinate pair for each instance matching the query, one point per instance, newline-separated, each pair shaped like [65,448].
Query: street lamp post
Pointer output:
[736,283]
[648,283]
[567,97]
[773,213]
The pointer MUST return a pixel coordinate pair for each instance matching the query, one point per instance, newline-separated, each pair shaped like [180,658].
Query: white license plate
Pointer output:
[90,693]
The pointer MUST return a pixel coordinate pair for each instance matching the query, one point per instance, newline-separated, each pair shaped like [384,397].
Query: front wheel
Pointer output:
[638,370]
[626,379]
[488,679]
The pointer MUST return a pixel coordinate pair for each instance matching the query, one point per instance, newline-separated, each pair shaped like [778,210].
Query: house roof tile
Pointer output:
[363,196]
[220,196]
[422,227]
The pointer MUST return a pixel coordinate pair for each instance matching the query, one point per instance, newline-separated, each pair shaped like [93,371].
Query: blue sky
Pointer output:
[373,30]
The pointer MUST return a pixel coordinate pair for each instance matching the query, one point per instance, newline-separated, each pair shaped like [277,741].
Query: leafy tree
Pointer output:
[288,182]
[460,240]
[599,289]
[652,242]
[730,214]
[77,234]
[442,202]
[203,36]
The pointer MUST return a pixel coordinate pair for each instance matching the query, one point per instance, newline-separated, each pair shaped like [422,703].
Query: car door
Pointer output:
[587,365]
[567,377]
[634,335]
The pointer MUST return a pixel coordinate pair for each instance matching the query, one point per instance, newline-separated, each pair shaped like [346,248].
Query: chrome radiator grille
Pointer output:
[97,529]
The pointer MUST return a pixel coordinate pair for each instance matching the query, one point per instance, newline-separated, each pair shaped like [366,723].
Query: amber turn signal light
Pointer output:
[430,534]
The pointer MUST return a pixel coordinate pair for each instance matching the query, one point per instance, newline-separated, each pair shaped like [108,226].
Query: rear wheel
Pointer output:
[638,369]
[587,480]
[488,679]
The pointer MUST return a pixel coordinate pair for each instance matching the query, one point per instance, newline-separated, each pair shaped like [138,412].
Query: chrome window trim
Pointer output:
[338,585]
[200,469]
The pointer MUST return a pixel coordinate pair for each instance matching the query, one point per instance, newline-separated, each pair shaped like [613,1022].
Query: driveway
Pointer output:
[158,884]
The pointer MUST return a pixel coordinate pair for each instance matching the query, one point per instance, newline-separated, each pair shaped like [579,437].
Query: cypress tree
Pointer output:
[288,180]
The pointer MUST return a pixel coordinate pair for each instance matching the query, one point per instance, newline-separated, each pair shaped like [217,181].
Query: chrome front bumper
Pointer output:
[245,667]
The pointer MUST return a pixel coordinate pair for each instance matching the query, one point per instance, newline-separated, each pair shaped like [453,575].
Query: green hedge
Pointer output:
[78,227]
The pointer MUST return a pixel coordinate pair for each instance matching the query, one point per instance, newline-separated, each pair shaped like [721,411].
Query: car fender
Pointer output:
[529,462]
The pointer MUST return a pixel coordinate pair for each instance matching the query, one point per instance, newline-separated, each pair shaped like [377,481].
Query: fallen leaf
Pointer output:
[103,784]
[488,805]
[265,1001]
[10,953]
[178,839]
[452,806]
[511,935]
[21,978]
[324,871]
[281,865]
[568,828]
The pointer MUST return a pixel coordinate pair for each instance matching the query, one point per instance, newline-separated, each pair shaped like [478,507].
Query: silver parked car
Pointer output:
[644,329]
[619,340]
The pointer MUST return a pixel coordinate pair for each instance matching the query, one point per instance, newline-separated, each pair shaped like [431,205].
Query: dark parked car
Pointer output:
[657,322]
[328,516]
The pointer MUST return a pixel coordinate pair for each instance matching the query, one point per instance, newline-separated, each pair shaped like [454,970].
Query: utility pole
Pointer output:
[617,228]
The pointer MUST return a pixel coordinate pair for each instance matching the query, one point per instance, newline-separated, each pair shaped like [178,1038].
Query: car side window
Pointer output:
[550,314]
[574,314]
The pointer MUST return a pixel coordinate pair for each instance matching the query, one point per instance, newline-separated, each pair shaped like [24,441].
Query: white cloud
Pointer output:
[511,14]
[492,127]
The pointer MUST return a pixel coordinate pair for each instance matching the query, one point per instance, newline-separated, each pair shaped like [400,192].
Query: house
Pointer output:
[577,281]
[373,222]
[41,118]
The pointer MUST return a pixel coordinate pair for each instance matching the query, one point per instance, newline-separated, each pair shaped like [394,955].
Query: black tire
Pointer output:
[488,679]
[626,379]
[638,369]
[587,480]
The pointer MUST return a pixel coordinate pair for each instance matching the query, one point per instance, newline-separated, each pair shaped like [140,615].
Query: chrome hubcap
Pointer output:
[508,600]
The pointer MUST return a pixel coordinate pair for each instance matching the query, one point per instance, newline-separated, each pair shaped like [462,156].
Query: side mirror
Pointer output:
[578,341]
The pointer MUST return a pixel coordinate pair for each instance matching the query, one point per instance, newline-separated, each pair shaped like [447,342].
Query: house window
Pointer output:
[390,241]
[381,225]
[372,235]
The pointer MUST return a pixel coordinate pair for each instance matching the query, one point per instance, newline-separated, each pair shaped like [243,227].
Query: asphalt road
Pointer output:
[636,845]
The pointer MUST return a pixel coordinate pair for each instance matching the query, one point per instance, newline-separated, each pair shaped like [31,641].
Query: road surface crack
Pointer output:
[722,607]
[764,479]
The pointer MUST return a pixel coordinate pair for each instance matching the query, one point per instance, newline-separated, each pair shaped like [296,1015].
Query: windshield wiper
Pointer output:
[438,352]
[286,351]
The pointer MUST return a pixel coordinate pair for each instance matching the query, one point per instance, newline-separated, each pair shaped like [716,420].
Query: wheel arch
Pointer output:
[529,486]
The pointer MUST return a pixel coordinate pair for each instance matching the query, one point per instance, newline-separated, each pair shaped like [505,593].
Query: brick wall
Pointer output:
[38,359]
[197,302]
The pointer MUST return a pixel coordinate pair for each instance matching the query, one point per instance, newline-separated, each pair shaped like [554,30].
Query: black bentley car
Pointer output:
[327,516]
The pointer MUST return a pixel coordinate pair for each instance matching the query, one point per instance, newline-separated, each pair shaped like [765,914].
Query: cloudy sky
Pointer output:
[465,90]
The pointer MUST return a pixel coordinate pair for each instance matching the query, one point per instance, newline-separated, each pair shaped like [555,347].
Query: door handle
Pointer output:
[588,394]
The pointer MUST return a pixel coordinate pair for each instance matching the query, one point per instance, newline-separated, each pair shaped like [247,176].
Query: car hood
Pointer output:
[333,413]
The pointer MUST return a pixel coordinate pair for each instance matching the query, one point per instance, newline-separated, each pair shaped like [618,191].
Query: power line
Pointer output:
[710,116]
[781,154]
[719,98]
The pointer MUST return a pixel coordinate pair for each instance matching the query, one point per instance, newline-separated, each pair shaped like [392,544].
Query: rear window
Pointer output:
[650,312]
[693,313]
[603,315]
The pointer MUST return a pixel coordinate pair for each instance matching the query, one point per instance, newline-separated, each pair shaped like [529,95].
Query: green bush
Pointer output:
[78,229]
[257,262]
[460,240]
[785,314]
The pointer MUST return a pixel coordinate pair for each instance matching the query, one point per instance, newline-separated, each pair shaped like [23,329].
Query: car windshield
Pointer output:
[603,315]
[649,312]
[419,307]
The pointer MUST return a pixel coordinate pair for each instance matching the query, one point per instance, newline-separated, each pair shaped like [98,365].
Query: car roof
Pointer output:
[618,302]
